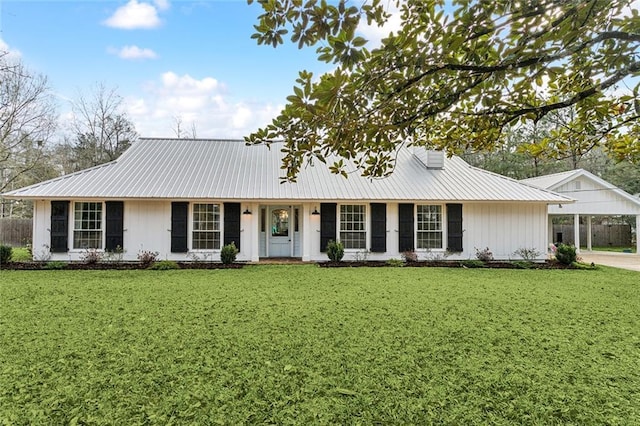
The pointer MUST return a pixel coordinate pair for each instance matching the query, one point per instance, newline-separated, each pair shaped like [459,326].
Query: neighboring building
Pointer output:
[186,198]
[594,197]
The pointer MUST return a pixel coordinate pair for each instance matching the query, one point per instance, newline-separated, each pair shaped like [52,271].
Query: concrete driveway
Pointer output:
[629,261]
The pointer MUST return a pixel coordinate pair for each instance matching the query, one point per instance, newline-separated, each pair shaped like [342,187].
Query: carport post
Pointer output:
[576,232]
[638,235]
[589,233]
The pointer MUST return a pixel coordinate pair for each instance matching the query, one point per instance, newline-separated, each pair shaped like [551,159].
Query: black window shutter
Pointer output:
[59,226]
[327,224]
[232,224]
[378,227]
[405,228]
[179,226]
[114,225]
[454,227]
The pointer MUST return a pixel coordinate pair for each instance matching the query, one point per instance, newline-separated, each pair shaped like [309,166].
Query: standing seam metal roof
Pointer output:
[226,169]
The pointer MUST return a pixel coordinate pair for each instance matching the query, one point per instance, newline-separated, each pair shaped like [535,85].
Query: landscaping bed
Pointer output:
[470,264]
[548,264]
[120,266]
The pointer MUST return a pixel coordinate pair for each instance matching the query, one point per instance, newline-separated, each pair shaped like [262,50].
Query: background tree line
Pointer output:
[35,146]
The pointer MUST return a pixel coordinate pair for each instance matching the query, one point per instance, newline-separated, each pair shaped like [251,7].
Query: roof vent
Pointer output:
[431,158]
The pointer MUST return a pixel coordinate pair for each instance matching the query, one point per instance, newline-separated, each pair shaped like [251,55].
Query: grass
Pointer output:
[305,345]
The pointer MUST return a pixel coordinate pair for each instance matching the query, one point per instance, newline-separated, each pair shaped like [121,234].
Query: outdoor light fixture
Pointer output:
[315,211]
[246,211]
[559,206]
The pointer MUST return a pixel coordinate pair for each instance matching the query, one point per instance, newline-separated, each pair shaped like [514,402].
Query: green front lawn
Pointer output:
[308,345]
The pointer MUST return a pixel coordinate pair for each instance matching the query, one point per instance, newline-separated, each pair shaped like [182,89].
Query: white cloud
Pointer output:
[374,33]
[133,52]
[241,117]
[135,15]
[10,53]
[203,103]
[162,4]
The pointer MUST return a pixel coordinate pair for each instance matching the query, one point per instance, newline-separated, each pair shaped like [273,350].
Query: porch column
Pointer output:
[589,233]
[576,231]
[306,231]
[550,236]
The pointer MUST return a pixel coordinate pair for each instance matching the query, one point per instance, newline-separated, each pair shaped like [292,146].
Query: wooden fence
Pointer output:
[601,235]
[16,232]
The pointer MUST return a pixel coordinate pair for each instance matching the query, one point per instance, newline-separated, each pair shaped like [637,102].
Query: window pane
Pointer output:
[429,227]
[87,225]
[280,223]
[353,227]
[206,227]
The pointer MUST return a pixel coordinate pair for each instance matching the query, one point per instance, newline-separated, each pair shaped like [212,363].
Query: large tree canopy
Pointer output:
[457,75]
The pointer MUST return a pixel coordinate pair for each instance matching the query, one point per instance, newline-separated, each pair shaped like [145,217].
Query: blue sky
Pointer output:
[167,58]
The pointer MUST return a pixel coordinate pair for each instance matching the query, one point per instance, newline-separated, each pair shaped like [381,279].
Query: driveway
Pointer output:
[617,260]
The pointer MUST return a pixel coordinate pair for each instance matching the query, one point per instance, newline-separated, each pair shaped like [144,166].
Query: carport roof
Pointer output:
[597,196]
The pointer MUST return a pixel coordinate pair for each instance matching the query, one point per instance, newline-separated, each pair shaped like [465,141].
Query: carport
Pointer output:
[594,197]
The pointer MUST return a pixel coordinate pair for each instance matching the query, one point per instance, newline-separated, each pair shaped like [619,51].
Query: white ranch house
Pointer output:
[186,198]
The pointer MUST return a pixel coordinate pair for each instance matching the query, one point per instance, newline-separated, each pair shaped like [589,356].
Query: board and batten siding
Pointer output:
[504,228]
[594,199]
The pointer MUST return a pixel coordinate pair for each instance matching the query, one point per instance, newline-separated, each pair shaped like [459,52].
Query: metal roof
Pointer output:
[225,169]
[557,181]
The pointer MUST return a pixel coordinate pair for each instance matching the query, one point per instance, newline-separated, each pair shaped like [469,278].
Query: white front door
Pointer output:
[279,234]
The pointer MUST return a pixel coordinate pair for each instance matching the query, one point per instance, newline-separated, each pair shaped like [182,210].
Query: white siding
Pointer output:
[41,226]
[504,228]
[593,199]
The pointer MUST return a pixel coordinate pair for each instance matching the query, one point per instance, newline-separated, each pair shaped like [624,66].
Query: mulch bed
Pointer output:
[101,266]
[549,264]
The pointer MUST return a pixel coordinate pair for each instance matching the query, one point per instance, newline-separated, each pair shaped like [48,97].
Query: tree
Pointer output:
[27,121]
[102,130]
[180,132]
[454,78]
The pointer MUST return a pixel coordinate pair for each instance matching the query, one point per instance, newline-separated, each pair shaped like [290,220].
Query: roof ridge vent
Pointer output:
[431,158]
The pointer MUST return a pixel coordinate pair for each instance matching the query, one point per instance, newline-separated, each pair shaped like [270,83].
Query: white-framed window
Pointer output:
[205,227]
[87,225]
[353,226]
[429,227]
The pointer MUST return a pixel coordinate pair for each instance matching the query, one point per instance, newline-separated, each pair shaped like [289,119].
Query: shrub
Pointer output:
[164,265]
[91,256]
[147,258]
[528,254]
[437,256]
[360,256]
[228,253]
[484,255]
[43,255]
[409,256]
[115,255]
[566,254]
[55,265]
[335,251]
[5,254]
[395,262]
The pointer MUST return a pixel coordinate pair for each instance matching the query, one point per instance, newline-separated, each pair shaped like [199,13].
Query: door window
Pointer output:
[280,223]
